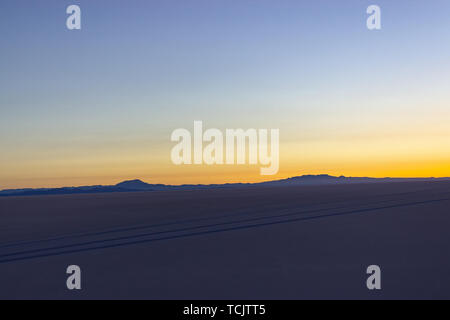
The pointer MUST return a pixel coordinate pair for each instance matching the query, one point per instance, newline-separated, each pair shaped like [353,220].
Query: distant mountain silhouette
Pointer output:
[138,185]
[134,185]
[327,179]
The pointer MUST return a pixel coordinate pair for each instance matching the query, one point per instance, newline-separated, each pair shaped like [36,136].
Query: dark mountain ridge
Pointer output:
[138,185]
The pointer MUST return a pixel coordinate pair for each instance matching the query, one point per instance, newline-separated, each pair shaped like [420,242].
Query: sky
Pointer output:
[98,105]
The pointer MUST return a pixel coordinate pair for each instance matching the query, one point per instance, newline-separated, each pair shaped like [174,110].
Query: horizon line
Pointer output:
[228,183]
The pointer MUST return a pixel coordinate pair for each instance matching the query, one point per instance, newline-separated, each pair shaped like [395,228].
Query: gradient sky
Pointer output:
[98,105]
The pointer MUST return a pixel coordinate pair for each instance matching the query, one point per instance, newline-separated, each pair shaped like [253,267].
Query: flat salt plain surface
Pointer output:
[305,242]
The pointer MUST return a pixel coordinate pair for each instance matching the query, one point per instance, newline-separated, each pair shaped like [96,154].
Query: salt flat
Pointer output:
[248,243]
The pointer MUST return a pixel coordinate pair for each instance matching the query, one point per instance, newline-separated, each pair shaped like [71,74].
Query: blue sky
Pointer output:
[139,69]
